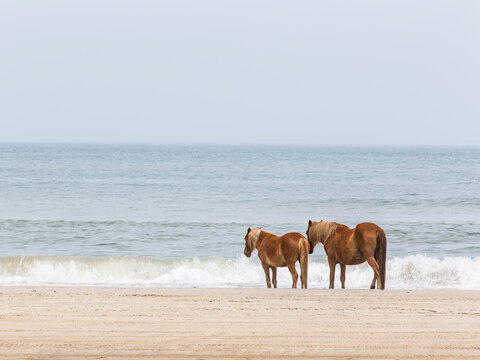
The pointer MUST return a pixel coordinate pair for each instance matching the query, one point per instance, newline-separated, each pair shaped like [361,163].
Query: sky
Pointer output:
[241,72]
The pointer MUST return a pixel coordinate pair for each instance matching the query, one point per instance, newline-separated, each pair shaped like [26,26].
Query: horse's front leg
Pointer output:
[274,276]
[266,268]
[343,269]
[332,262]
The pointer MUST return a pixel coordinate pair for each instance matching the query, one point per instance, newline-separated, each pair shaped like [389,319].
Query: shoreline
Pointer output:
[65,322]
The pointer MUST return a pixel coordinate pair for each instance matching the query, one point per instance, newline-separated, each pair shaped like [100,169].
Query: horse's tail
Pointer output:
[304,249]
[381,254]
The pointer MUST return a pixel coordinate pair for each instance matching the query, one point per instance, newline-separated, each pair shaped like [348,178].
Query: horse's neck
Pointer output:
[263,234]
[329,238]
[329,241]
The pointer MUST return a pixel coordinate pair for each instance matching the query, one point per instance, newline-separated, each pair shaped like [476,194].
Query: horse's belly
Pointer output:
[276,261]
[354,257]
[357,260]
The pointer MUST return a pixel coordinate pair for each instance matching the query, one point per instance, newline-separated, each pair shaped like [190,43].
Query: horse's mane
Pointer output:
[252,237]
[321,231]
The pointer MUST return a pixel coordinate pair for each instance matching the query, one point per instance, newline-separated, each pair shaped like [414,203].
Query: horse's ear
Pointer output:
[249,230]
[309,223]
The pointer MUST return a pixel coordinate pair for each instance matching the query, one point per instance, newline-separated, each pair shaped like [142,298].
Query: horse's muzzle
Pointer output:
[310,250]
[247,254]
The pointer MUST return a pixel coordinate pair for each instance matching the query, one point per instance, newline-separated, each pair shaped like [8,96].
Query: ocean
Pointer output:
[176,215]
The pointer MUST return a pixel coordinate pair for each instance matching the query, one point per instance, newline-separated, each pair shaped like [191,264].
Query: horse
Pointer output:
[345,246]
[279,251]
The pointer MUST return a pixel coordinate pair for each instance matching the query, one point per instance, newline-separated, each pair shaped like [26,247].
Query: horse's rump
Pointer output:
[288,246]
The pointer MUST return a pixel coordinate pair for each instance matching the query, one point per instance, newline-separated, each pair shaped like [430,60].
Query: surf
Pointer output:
[410,272]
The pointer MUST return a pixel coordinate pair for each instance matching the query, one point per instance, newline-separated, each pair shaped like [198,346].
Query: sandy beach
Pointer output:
[119,323]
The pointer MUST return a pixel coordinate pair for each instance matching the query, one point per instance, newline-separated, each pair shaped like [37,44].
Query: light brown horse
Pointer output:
[279,251]
[345,246]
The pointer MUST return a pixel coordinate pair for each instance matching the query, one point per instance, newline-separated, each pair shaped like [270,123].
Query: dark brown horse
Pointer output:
[345,246]
[279,251]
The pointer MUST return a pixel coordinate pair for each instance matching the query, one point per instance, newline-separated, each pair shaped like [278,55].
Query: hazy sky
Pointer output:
[283,72]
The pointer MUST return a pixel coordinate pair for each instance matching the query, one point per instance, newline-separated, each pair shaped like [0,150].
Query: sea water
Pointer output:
[172,215]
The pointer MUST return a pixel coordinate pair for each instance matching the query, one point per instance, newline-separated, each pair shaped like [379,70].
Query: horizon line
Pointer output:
[267,144]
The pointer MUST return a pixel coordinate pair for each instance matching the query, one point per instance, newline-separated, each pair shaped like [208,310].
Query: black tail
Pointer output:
[381,255]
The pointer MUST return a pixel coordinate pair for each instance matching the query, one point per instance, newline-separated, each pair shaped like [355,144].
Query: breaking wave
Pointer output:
[411,272]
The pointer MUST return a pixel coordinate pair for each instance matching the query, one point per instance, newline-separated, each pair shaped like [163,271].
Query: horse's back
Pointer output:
[293,239]
[368,226]
[293,236]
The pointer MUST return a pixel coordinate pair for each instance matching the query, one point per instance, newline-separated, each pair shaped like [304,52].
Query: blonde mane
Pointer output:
[321,231]
[252,238]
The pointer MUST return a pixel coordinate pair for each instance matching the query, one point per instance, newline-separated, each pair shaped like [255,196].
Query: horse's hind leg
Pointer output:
[343,269]
[274,277]
[303,275]
[292,269]
[372,286]
[266,268]
[376,269]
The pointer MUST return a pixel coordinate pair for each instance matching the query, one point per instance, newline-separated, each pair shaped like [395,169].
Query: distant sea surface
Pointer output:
[177,215]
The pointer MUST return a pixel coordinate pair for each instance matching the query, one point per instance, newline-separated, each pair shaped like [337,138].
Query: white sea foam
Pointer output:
[412,272]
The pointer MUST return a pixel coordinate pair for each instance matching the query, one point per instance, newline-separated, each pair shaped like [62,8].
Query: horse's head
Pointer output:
[310,222]
[251,241]
[248,250]
[312,234]
[319,232]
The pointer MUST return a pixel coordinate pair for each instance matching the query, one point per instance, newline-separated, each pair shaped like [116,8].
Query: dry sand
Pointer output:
[121,323]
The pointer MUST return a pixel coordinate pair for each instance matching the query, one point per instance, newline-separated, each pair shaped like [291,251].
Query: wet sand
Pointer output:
[125,323]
